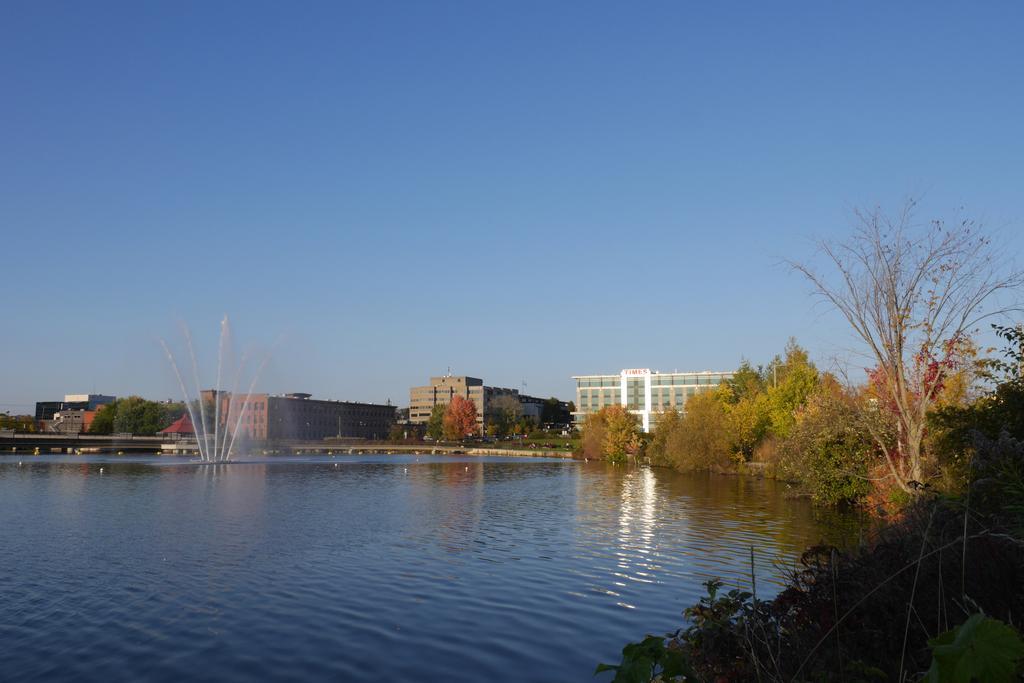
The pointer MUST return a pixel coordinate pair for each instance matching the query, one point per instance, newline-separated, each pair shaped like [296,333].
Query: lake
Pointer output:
[368,568]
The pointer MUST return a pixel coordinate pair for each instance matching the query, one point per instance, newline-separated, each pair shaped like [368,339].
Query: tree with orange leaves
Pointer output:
[459,419]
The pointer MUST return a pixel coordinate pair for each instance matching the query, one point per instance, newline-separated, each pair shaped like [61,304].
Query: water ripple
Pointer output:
[383,568]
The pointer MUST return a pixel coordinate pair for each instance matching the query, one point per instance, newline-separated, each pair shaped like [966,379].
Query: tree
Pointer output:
[139,416]
[459,419]
[622,434]
[505,411]
[554,413]
[911,293]
[750,421]
[746,382]
[793,380]
[703,440]
[662,448]
[103,421]
[612,433]
[953,429]
[828,451]
[594,428]
[135,415]
[435,425]
[21,423]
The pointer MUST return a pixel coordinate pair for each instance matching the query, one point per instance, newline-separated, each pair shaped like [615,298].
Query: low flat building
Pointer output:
[73,421]
[46,410]
[88,401]
[642,392]
[299,417]
[545,411]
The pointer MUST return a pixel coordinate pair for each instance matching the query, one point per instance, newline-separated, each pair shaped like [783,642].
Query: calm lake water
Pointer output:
[366,568]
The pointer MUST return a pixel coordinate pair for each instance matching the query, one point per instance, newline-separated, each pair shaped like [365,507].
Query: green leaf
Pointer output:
[674,664]
[980,649]
[637,670]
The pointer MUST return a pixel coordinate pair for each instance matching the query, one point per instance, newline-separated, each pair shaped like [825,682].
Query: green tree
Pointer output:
[553,412]
[793,380]
[435,425]
[829,450]
[505,412]
[746,382]
[953,428]
[21,423]
[135,415]
[139,416]
[103,421]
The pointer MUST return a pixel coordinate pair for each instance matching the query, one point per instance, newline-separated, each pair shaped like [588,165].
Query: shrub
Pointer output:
[886,610]
[828,451]
[702,440]
[612,433]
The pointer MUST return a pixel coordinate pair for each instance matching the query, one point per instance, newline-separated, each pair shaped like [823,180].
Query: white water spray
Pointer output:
[218,446]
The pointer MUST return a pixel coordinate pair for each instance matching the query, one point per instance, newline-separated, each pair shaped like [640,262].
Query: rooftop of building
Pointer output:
[656,372]
[301,396]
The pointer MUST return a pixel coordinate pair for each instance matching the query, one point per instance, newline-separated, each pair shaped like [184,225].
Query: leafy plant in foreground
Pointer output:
[980,649]
[653,657]
[713,629]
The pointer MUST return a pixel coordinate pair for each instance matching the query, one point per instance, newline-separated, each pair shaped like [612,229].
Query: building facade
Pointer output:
[45,410]
[442,390]
[67,421]
[298,417]
[642,392]
[88,401]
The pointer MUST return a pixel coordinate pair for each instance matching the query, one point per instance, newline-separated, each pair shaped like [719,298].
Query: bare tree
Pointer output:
[912,294]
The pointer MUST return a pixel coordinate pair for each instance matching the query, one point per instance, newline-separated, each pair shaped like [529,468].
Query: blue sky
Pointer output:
[521,191]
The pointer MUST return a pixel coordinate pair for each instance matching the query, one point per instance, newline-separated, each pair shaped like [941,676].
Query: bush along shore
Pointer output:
[932,442]
[936,596]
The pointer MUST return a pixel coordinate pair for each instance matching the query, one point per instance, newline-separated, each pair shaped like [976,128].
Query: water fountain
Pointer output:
[218,446]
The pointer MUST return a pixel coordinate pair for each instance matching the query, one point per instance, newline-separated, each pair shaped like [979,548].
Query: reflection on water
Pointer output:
[636,546]
[367,568]
[677,531]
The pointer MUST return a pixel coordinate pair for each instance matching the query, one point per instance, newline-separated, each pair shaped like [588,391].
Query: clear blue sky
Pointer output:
[520,190]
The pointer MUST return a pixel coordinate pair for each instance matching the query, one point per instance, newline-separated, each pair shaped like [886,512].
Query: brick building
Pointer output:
[298,417]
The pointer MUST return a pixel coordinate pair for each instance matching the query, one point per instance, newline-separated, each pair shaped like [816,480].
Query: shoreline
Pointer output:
[335,451]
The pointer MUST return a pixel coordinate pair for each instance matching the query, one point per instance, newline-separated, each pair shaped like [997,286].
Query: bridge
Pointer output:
[12,442]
